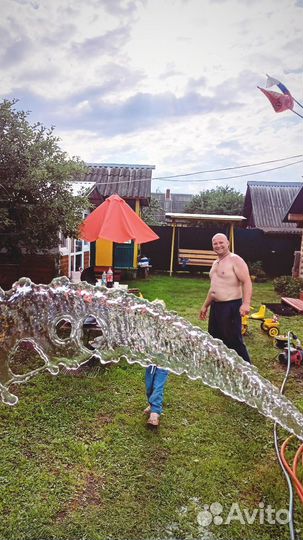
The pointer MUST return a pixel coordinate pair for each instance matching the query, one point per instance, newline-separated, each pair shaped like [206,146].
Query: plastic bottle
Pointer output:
[103,279]
[109,278]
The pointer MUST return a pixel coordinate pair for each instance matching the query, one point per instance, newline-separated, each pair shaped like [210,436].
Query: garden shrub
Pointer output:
[256,269]
[288,286]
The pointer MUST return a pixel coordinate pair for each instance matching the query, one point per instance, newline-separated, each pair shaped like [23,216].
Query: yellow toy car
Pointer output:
[244,325]
[270,326]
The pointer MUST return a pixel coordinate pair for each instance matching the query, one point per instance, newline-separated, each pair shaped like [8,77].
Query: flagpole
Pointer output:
[296,113]
[297,102]
[282,87]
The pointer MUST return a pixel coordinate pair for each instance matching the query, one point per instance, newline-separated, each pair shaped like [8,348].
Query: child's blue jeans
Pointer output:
[155,379]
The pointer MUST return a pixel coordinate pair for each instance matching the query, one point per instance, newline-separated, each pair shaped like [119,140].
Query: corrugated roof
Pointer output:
[266,204]
[128,181]
[296,207]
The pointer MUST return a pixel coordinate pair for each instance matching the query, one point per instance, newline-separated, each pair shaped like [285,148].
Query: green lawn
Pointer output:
[77,461]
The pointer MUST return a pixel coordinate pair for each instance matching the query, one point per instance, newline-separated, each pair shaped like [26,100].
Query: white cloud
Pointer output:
[167,83]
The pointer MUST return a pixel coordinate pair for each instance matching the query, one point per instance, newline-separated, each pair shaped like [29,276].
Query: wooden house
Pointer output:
[266,203]
[133,184]
[294,215]
[265,206]
[171,202]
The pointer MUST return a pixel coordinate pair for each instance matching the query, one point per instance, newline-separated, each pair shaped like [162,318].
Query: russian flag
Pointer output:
[271,82]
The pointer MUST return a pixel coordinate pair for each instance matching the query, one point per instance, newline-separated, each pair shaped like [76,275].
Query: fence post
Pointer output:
[172,249]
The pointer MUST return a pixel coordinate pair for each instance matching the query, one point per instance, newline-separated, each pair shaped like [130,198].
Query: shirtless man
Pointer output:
[229,297]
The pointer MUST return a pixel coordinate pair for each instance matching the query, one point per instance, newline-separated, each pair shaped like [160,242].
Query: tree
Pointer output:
[36,200]
[221,200]
[154,213]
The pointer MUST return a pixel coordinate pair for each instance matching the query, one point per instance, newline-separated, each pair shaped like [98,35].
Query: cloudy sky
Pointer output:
[172,83]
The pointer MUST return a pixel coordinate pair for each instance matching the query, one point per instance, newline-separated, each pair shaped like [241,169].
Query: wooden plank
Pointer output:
[64,265]
[295,303]
[295,217]
[197,257]
[197,252]
[200,263]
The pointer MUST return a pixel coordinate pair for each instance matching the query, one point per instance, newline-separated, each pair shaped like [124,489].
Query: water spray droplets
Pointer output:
[66,324]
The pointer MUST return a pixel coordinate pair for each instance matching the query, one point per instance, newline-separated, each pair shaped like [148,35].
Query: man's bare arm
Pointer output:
[242,273]
[204,309]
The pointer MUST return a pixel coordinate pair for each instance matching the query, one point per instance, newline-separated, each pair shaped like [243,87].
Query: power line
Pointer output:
[241,175]
[178,179]
[228,168]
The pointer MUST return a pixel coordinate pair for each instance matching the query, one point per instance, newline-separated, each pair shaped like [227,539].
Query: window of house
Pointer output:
[77,255]
[77,250]
[63,241]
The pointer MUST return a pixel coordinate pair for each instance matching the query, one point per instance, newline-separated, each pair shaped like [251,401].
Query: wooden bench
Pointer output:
[196,257]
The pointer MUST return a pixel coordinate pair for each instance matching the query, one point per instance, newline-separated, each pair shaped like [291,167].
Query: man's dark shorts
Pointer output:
[225,323]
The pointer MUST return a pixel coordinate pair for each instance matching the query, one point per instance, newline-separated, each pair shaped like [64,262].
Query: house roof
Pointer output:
[176,202]
[266,204]
[128,181]
[171,202]
[296,207]
[186,220]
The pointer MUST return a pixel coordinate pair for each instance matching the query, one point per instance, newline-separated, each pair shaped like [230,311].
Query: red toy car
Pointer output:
[296,352]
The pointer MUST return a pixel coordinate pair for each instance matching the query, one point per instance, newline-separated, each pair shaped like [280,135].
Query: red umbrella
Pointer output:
[115,220]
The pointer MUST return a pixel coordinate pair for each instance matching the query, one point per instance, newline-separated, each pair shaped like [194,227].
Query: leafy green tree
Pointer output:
[36,200]
[153,214]
[221,200]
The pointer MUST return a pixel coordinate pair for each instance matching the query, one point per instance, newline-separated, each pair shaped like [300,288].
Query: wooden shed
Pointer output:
[198,257]
[266,204]
[294,215]
[133,184]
